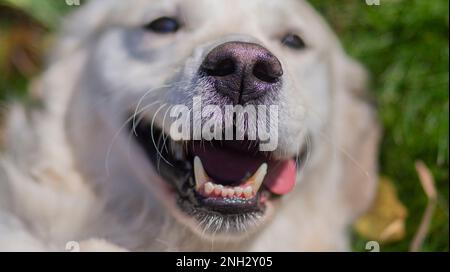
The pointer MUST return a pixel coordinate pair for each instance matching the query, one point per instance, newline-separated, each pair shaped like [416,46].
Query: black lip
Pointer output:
[231,205]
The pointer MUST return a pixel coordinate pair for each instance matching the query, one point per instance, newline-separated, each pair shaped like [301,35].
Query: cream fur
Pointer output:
[56,188]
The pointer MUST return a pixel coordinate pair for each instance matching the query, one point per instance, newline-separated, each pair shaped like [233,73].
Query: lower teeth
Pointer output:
[211,189]
[208,188]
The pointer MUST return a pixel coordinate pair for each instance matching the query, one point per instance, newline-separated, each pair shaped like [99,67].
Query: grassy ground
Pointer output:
[403,43]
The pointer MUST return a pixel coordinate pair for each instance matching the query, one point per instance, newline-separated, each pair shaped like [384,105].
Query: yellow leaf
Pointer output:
[385,220]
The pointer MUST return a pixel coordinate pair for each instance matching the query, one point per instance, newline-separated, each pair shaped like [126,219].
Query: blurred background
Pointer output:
[403,44]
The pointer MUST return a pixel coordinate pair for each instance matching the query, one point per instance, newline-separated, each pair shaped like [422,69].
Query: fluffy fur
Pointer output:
[70,171]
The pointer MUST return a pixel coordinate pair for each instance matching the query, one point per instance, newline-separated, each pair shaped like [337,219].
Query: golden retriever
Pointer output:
[97,161]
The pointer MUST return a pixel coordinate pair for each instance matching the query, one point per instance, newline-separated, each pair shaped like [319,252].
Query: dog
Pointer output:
[94,161]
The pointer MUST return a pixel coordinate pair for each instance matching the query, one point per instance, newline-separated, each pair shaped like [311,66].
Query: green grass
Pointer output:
[404,45]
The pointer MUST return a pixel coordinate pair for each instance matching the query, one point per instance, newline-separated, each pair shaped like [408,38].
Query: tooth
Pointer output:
[218,189]
[238,191]
[224,192]
[199,173]
[209,188]
[248,191]
[230,192]
[258,177]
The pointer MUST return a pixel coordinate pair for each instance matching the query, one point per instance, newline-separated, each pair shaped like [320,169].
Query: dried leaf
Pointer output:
[385,220]
[21,44]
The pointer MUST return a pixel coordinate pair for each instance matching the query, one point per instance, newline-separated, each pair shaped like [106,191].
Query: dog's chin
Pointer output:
[222,190]
[213,226]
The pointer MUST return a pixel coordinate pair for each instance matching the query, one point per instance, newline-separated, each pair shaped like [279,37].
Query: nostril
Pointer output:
[242,71]
[267,71]
[220,68]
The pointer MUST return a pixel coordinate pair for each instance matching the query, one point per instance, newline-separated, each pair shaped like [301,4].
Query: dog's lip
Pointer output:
[231,205]
[179,173]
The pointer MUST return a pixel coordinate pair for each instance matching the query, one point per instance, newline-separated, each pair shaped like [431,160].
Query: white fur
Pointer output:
[70,171]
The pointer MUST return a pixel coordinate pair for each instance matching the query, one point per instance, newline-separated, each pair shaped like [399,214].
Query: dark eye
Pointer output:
[293,41]
[163,25]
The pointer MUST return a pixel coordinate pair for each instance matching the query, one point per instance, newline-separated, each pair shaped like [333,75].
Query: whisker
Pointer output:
[153,90]
[308,147]
[166,136]
[140,101]
[108,153]
[153,138]
[345,153]
[164,139]
[330,141]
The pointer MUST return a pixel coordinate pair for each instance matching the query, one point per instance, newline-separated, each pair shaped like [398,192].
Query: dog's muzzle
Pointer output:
[226,184]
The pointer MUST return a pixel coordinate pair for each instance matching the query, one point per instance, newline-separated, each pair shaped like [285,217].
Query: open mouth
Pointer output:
[228,184]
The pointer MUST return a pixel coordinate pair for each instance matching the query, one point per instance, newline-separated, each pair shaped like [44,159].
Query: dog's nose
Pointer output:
[242,71]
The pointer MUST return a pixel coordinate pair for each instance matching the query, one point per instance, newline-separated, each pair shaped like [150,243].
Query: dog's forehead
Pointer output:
[262,19]
[232,15]
[212,5]
[210,9]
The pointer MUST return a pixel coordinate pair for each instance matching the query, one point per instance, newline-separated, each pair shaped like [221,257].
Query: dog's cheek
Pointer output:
[359,136]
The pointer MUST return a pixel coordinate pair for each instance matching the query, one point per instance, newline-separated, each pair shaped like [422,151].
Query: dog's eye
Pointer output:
[293,41]
[163,25]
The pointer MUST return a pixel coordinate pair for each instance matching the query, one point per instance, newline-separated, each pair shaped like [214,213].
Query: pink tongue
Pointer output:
[281,177]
